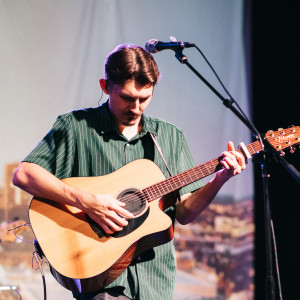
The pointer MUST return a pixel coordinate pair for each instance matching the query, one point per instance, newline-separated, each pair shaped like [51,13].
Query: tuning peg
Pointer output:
[292,127]
[270,133]
[288,142]
[282,153]
[292,149]
[281,131]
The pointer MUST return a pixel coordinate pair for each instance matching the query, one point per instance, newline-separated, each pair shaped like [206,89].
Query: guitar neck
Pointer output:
[180,180]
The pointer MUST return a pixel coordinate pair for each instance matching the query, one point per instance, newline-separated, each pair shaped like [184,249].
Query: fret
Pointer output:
[251,151]
[148,193]
[205,166]
[190,177]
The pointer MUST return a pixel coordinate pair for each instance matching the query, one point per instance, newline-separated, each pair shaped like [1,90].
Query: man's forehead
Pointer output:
[131,87]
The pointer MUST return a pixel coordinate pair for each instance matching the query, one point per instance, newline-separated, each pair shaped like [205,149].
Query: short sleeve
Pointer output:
[55,152]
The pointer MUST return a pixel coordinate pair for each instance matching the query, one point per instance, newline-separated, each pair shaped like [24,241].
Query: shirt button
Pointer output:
[139,258]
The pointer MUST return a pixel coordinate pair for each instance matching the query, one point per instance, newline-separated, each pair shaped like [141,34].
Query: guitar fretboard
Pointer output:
[180,180]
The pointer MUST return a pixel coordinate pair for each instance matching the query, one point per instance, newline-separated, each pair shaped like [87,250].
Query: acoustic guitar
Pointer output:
[82,257]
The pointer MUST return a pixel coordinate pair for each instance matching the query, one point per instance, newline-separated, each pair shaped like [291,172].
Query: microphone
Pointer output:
[154,46]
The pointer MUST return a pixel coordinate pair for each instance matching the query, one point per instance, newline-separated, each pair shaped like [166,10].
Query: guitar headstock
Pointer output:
[284,138]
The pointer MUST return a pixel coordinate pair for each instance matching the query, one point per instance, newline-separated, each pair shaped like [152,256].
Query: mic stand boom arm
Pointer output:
[270,282]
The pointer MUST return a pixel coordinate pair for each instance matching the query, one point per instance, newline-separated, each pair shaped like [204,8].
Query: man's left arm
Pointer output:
[192,204]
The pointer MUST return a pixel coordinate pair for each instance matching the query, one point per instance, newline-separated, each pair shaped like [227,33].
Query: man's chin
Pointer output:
[130,121]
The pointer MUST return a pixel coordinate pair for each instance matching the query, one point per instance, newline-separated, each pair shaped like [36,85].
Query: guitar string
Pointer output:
[163,188]
[131,200]
[181,178]
[154,192]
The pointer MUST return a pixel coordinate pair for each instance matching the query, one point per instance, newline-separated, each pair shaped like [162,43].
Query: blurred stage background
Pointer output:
[51,58]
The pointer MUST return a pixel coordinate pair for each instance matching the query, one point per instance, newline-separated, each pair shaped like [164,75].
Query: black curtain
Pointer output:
[275,82]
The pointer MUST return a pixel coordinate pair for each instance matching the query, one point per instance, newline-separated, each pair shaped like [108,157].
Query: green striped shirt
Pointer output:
[86,143]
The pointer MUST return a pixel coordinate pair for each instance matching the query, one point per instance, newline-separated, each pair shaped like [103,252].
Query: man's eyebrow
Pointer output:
[126,95]
[123,94]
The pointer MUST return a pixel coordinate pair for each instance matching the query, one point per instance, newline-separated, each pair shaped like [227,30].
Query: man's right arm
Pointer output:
[104,209]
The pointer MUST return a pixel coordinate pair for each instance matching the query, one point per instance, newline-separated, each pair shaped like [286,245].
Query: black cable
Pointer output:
[231,98]
[44,287]
[37,259]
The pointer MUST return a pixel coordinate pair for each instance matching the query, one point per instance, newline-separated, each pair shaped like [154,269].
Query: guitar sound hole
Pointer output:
[134,200]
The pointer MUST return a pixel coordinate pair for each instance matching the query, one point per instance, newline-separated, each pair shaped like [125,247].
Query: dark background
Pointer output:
[275,85]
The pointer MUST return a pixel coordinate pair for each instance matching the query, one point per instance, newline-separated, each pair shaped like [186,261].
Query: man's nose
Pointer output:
[134,105]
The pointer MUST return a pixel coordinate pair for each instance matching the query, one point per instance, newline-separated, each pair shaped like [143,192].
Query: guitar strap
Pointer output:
[160,152]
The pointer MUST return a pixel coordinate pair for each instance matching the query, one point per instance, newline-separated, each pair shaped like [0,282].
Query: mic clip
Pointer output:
[178,53]
[180,56]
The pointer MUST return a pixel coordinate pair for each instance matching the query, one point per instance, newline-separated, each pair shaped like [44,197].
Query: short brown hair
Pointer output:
[127,62]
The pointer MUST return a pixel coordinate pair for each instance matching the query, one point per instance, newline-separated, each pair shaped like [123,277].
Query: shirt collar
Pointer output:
[148,125]
[106,122]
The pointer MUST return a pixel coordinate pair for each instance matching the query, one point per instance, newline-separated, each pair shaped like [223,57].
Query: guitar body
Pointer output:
[82,257]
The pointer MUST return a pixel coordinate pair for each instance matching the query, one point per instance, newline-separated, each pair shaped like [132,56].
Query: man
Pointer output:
[98,141]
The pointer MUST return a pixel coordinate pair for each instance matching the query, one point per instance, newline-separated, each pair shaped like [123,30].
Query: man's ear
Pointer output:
[103,85]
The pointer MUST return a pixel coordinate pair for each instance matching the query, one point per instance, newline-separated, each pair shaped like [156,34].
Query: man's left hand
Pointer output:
[233,162]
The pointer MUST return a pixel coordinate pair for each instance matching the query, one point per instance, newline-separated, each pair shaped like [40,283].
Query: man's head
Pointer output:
[130,76]
[130,62]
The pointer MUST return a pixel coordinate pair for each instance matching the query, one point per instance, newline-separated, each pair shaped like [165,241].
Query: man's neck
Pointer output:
[130,131]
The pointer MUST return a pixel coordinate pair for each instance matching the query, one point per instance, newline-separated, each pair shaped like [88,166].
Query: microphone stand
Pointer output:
[270,282]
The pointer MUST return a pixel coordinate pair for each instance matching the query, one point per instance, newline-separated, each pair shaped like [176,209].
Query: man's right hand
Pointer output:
[107,211]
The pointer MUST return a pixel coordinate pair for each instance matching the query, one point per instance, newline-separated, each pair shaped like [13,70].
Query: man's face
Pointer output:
[127,102]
